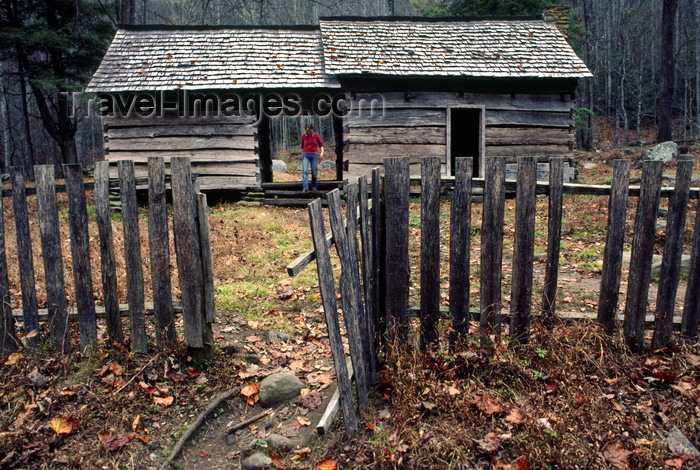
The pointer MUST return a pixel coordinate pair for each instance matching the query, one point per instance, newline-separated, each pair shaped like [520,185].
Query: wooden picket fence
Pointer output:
[374,279]
[190,229]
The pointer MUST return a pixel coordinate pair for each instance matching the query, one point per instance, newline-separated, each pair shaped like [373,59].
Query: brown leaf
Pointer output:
[63,424]
[201,379]
[277,460]
[515,416]
[327,464]
[615,453]
[675,463]
[311,400]
[250,393]
[135,423]
[141,437]
[117,443]
[487,405]
[489,444]
[522,464]
[300,454]
[13,359]
[579,400]
[194,373]
[166,401]
[105,437]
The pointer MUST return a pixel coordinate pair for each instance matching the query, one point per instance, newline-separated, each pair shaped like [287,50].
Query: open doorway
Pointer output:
[466,136]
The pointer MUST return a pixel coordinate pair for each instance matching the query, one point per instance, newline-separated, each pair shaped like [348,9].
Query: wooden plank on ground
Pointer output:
[52,255]
[159,251]
[430,251]
[523,252]
[80,253]
[333,406]
[641,258]
[551,274]
[25,257]
[327,287]
[132,257]
[671,260]
[460,242]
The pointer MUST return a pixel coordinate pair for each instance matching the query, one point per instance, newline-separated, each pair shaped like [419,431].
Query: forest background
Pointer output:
[644,55]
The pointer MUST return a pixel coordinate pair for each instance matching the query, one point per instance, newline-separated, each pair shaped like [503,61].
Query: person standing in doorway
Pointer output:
[310,145]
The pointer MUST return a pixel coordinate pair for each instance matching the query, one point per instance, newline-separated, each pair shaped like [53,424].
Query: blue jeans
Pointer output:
[309,160]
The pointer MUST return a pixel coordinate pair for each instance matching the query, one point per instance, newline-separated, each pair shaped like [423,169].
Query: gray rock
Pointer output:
[589,166]
[660,225]
[279,442]
[278,388]
[656,264]
[279,166]
[252,358]
[256,461]
[37,379]
[638,143]
[663,152]
[278,336]
[327,164]
[231,439]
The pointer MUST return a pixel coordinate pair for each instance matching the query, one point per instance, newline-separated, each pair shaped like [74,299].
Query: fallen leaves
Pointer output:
[163,401]
[277,460]
[111,442]
[327,464]
[251,393]
[311,400]
[13,359]
[487,405]
[63,424]
[615,453]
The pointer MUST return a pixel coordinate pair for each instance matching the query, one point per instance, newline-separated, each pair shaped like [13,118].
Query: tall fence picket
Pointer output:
[108,262]
[366,271]
[691,305]
[523,251]
[53,257]
[8,336]
[378,255]
[642,252]
[330,310]
[208,304]
[132,256]
[430,250]
[671,261]
[614,241]
[396,199]
[80,252]
[25,258]
[350,292]
[460,243]
[492,246]
[159,250]
[551,274]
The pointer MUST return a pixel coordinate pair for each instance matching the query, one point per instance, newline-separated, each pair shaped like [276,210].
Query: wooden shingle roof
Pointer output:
[486,48]
[170,58]
[245,58]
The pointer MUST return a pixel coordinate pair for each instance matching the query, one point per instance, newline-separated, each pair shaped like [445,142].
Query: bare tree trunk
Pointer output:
[29,156]
[668,65]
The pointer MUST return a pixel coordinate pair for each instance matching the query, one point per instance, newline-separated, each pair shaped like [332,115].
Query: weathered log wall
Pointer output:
[416,125]
[223,151]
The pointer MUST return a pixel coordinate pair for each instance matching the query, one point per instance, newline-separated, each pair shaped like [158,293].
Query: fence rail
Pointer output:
[382,272]
[189,228]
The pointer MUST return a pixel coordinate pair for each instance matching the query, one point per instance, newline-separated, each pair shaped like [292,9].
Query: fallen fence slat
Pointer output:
[52,256]
[460,244]
[671,261]
[80,252]
[333,406]
[330,310]
[107,260]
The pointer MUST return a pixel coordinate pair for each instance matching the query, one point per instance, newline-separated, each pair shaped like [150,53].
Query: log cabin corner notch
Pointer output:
[445,87]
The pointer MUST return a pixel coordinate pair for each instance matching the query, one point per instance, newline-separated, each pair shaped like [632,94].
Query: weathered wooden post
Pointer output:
[691,305]
[370,313]
[523,251]
[158,242]
[430,250]
[53,258]
[132,255]
[642,253]
[614,240]
[80,252]
[460,243]
[208,304]
[551,275]
[492,246]
[108,263]
[8,336]
[30,315]
[378,255]
[671,260]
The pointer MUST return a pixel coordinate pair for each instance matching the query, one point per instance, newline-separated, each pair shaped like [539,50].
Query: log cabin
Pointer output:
[394,86]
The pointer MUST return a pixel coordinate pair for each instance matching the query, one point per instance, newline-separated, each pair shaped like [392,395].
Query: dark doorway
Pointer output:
[465,136]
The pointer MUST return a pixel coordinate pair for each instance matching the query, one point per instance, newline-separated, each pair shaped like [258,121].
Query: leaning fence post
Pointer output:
[523,251]
[370,314]
[80,252]
[208,304]
[53,259]
[189,262]
[30,315]
[396,198]
[377,285]
[671,261]
[614,240]
[108,263]
[8,336]
[132,255]
[460,242]
[492,246]
[551,276]
[330,310]
[691,305]
[159,250]
[430,250]
[642,253]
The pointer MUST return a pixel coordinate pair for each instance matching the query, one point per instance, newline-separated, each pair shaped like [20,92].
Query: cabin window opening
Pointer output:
[465,136]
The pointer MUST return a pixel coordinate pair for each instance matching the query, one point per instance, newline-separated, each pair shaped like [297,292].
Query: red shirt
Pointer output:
[310,143]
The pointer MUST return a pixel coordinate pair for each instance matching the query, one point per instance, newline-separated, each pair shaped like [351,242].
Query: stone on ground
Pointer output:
[663,152]
[278,388]
[279,166]
[256,461]
[279,442]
